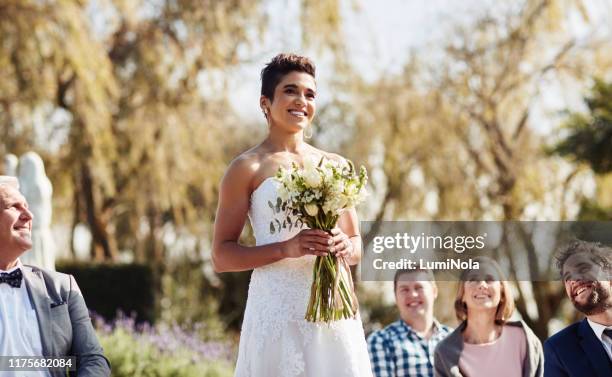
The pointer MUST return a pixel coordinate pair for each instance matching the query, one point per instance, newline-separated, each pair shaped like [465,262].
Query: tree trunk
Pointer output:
[102,247]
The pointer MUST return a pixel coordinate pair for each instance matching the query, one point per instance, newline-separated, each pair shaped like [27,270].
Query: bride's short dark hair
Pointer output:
[281,65]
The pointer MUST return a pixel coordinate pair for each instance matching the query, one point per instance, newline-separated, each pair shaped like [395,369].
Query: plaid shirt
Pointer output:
[397,350]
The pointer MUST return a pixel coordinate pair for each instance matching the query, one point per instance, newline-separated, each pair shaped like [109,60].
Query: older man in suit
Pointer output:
[42,313]
[584,348]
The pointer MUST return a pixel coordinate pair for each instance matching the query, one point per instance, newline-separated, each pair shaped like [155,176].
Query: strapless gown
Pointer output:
[276,340]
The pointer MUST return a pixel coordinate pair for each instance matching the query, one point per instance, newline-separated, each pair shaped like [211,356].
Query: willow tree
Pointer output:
[141,88]
[50,60]
[497,71]
[453,137]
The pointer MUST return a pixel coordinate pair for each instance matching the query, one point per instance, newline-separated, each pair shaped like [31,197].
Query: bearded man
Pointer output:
[584,348]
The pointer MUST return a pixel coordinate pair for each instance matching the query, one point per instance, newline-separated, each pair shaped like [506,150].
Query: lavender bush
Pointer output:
[164,350]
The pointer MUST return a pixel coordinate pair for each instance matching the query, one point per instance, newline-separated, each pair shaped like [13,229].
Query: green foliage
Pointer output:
[376,313]
[589,136]
[591,211]
[131,355]
[188,296]
[232,298]
[108,288]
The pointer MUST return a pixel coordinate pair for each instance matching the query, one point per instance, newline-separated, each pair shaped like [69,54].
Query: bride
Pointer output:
[275,339]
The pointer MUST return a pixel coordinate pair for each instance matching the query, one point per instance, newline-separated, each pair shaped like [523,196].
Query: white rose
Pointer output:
[332,205]
[312,177]
[310,163]
[311,209]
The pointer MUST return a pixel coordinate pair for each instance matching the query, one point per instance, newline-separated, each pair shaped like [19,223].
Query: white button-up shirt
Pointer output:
[605,340]
[19,331]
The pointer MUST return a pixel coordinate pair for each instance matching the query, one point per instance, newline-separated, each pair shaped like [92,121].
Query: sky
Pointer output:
[386,31]
[379,35]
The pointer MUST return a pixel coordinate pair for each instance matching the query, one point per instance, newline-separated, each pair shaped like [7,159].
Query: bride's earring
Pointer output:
[265,113]
[308,131]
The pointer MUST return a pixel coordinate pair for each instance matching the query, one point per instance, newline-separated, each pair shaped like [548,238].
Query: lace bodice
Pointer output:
[287,280]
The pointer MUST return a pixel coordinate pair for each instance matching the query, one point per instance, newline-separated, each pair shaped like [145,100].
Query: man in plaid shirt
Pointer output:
[406,347]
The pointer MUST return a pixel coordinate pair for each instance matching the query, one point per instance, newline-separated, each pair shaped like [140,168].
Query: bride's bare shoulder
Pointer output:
[243,168]
[250,167]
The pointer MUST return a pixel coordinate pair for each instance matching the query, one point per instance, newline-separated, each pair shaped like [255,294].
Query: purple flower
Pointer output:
[169,339]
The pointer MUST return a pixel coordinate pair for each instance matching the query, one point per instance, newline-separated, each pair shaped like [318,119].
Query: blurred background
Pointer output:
[470,110]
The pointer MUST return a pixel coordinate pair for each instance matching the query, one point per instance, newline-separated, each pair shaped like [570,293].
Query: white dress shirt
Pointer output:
[605,340]
[19,331]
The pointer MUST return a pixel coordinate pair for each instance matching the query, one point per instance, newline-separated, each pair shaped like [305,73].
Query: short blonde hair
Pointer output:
[506,303]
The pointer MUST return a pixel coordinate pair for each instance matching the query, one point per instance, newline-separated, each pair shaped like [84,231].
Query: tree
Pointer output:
[587,139]
[140,92]
[589,136]
[144,105]
[494,75]
[454,139]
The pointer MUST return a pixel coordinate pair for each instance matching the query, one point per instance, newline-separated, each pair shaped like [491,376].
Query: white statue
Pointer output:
[9,181]
[10,165]
[37,189]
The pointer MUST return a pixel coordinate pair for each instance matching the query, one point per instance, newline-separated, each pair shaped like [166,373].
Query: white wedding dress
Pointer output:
[276,340]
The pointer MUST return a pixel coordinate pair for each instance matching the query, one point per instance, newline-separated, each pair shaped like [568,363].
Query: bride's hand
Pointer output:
[307,242]
[343,247]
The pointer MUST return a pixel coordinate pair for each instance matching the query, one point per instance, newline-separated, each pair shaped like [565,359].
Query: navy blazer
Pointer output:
[576,352]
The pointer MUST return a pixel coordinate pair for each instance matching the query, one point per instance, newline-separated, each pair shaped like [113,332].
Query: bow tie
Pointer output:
[608,332]
[12,278]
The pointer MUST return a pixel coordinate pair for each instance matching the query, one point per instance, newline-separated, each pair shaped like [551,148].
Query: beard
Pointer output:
[597,302]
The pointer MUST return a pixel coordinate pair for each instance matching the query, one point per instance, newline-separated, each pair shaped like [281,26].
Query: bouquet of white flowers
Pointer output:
[317,193]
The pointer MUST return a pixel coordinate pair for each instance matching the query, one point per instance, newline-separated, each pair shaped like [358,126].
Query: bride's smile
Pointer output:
[293,106]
